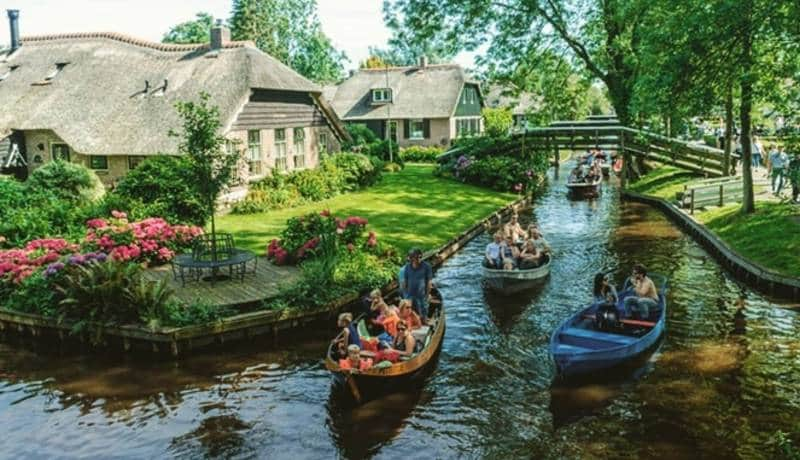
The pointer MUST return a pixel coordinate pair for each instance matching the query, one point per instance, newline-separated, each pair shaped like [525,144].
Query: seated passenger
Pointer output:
[492,255]
[535,235]
[348,336]
[354,362]
[530,257]
[509,254]
[576,175]
[603,290]
[644,297]
[388,319]
[408,315]
[376,300]
[404,341]
[512,229]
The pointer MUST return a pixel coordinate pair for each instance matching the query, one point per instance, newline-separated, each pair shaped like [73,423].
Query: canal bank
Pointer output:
[712,390]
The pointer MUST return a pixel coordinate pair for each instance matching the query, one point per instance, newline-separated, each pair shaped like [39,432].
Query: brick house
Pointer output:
[108,101]
[420,105]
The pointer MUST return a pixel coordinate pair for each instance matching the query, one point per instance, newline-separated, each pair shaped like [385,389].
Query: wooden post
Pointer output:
[721,195]
[691,206]
[623,179]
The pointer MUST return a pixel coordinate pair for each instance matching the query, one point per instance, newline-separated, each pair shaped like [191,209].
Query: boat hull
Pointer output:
[513,281]
[584,190]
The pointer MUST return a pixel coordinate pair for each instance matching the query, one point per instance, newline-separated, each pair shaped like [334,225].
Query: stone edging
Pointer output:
[763,279]
[245,326]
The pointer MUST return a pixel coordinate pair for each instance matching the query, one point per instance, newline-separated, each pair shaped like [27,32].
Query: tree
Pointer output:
[196,31]
[372,62]
[203,145]
[497,121]
[290,31]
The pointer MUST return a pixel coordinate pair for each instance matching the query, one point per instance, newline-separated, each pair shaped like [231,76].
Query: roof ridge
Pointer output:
[130,40]
[383,69]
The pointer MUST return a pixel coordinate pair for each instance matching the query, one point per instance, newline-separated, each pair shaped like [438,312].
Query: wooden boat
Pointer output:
[512,281]
[585,189]
[578,347]
[400,375]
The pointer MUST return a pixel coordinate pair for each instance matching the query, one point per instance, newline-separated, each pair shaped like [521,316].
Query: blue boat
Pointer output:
[579,347]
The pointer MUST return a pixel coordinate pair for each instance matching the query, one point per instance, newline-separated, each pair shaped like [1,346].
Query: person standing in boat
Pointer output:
[644,297]
[512,229]
[418,282]
[492,255]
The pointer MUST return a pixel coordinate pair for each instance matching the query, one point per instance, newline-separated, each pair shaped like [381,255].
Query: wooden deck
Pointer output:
[262,284]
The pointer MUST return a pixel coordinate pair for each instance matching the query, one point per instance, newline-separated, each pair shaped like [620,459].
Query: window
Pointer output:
[469,95]
[474,126]
[134,161]
[299,148]
[98,162]
[59,67]
[322,143]
[254,151]
[416,129]
[467,126]
[382,95]
[280,149]
[59,152]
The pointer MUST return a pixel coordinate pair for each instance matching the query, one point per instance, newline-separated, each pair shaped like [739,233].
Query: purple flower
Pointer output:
[53,268]
[100,257]
[77,259]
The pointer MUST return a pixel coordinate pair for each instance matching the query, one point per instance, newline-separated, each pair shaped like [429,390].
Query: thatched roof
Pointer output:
[97,103]
[520,103]
[418,92]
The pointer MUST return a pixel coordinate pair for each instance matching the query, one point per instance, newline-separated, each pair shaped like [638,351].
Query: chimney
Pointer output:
[13,26]
[220,35]
[423,61]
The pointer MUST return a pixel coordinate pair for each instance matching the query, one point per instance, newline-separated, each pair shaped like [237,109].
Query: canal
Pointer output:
[715,387]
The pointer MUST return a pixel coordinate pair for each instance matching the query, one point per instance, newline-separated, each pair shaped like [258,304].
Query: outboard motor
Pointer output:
[606,317]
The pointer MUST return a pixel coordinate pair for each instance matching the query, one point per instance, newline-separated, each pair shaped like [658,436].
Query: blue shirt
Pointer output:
[778,160]
[417,279]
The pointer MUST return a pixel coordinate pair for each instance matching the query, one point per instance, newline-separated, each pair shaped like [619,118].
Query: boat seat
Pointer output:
[598,336]
[630,322]
[420,333]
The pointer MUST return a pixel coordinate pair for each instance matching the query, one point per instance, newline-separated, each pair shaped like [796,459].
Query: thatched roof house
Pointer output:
[423,105]
[111,96]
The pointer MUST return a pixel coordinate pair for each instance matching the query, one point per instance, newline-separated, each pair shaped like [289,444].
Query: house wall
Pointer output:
[269,151]
[439,134]
[469,103]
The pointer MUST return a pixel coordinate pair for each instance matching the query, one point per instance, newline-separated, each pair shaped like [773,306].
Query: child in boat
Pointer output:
[354,361]
[348,336]
[408,315]
[388,319]
[509,254]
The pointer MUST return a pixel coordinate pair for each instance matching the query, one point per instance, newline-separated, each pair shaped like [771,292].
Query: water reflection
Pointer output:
[707,392]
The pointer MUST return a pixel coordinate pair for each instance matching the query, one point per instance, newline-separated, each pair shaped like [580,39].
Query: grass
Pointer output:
[769,237]
[410,208]
[663,182]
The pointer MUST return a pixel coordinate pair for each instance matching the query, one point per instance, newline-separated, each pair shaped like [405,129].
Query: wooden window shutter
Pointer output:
[426,128]
[406,129]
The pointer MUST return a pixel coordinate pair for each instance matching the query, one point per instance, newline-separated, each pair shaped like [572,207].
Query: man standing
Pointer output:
[418,281]
[493,252]
[644,297]
[778,161]
[794,176]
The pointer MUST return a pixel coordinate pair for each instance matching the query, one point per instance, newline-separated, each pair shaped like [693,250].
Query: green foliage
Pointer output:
[197,312]
[360,134]
[291,32]
[421,154]
[68,181]
[152,299]
[384,150]
[160,186]
[497,121]
[338,173]
[34,295]
[189,32]
[786,447]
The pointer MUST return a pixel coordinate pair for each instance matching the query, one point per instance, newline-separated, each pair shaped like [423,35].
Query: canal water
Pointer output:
[715,387]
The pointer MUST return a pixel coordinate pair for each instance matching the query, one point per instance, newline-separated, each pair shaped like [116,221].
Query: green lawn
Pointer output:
[406,209]
[769,237]
[663,182]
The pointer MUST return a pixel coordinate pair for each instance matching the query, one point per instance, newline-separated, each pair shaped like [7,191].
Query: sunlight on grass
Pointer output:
[408,208]
[664,182]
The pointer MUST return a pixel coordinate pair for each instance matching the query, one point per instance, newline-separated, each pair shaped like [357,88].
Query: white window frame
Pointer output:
[385,95]
[254,151]
[322,142]
[414,134]
[299,147]
[280,149]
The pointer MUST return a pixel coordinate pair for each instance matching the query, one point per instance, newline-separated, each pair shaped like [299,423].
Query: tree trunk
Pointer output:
[728,142]
[748,200]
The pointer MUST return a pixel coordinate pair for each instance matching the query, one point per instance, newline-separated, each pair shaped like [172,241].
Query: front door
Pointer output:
[393,131]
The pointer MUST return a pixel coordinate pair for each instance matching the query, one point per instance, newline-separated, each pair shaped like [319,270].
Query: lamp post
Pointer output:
[389,112]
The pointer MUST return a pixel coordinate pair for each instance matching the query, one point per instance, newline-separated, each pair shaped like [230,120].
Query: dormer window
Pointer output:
[381,95]
[59,67]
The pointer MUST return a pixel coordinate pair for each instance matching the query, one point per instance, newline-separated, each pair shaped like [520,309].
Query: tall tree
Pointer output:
[289,30]
[195,31]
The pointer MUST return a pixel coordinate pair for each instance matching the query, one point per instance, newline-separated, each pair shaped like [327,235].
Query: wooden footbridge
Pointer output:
[604,132]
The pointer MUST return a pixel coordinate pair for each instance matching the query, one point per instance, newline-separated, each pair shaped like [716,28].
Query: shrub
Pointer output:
[497,121]
[164,187]
[68,181]
[380,149]
[197,312]
[421,154]
[360,134]
[341,172]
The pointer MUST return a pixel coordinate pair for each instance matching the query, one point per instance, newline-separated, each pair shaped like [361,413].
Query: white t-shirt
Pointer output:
[493,250]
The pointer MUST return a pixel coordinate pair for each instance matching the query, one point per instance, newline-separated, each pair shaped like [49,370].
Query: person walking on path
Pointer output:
[418,282]
[794,176]
[758,149]
[778,161]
